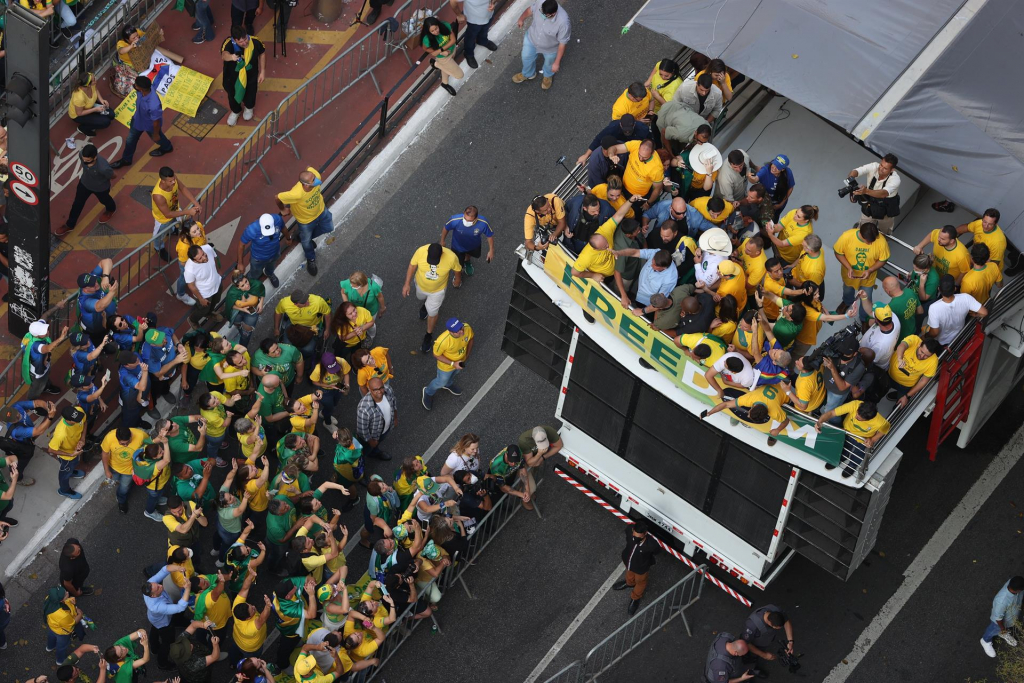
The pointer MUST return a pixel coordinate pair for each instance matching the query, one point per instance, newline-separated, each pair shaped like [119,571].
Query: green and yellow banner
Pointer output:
[660,351]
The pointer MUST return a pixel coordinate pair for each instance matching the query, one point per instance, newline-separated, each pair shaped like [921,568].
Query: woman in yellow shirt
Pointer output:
[305,413]
[197,345]
[727,317]
[213,408]
[252,480]
[233,371]
[62,621]
[612,192]
[88,108]
[719,77]
[124,73]
[352,325]
[662,84]
[789,233]
[373,363]
[192,234]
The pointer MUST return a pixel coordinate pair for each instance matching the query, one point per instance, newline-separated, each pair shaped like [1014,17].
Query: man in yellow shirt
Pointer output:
[644,172]
[705,349]
[949,255]
[451,351]
[635,100]
[732,281]
[431,264]
[986,231]
[304,311]
[861,419]
[913,363]
[250,626]
[861,251]
[117,449]
[809,387]
[752,258]
[597,260]
[306,202]
[166,205]
[983,274]
[544,221]
[66,445]
[810,267]
[762,405]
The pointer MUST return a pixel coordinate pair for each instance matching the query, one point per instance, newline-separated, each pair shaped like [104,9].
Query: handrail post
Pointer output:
[382,128]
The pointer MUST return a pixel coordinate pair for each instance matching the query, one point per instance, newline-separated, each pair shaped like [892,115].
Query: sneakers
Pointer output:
[120,163]
[218,564]
[186,299]
[428,342]
[520,78]
[449,89]
[1008,638]
[423,312]
[214,553]
[221,462]
[87,132]
[153,414]
[78,474]
[454,390]
[10,521]
[73,495]
[247,114]
[469,268]
[371,17]
[106,216]
[944,206]
[620,585]
[164,254]
[53,390]
[62,230]
[274,281]
[311,267]
[232,118]
[546,85]
[123,507]
[199,39]
[155,516]
[633,605]
[987,647]
[27,481]
[427,400]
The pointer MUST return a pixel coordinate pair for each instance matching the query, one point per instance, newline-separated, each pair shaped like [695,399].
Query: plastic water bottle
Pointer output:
[433,628]
[88,623]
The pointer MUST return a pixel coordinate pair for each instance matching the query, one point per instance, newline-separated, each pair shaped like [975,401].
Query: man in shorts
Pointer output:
[468,230]
[431,264]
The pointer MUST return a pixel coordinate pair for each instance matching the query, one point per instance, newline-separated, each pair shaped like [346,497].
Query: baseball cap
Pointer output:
[88,280]
[10,414]
[39,328]
[781,162]
[627,123]
[330,362]
[947,285]
[78,380]
[304,664]
[540,437]
[156,337]
[512,454]
[127,357]
[434,252]
[400,532]
[78,339]
[72,414]
[729,268]
[180,650]
[324,593]
[427,485]
[883,313]
[454,325]
[268,226]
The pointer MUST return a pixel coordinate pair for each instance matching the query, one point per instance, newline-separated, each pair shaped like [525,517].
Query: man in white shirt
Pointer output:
[476,15]
[876,195]
[883,333]
[735,371]
[203,281]
[947,316]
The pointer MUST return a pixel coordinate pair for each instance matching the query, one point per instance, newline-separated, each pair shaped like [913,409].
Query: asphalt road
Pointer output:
[495,146]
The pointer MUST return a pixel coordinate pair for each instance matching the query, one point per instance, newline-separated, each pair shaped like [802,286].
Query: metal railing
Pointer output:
[671,604]
[486,530]
[95,55]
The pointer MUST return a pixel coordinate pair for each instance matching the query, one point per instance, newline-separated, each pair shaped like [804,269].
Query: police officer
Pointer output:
[761,632]
[724,663]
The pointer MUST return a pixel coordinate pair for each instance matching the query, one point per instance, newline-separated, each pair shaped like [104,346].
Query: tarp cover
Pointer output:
[958,130]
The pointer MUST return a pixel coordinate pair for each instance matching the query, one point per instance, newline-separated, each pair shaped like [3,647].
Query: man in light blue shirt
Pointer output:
[1005,611]
[668,208]
[657,276]
[161,612]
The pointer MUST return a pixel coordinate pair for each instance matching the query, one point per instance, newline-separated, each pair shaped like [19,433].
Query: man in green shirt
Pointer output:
[904,304]
[283,360]
[294,443]
[122,659]
[273,408]
[292,608]
[244,289]
[924,280]
[507,468]
[192,481]
[181,439]
[789,324]
[626,238]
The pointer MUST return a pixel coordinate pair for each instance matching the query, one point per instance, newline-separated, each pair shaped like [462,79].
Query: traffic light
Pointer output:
[21,106]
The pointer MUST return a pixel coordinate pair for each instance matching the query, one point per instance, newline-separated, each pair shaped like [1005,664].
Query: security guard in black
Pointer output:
[724,662]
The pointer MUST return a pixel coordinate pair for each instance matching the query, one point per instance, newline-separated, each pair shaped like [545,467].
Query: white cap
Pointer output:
[715,241]
[39,328]
[540,437]
[267,225]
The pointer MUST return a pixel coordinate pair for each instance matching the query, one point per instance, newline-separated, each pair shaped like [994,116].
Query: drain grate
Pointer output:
[105,242]
[207,116]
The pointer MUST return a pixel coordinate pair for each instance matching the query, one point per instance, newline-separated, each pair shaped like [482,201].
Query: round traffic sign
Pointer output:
[24,193]
[23,174]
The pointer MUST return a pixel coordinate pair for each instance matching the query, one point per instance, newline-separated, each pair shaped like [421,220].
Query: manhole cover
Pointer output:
[143,194]
[207,116]
[105,242]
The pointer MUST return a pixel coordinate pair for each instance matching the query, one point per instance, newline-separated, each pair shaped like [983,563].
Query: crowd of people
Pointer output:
[706,249]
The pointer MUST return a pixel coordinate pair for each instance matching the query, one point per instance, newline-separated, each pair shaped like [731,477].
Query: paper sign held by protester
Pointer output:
[178,87]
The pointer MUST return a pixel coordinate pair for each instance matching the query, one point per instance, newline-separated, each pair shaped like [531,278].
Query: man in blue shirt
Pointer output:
[468,230]
[625,129]
[667,208]
[148,118]
[584,214]
[97,299]
[777,178]
[133,380]
[164,614]
[35,361]
[22,433]
[657,276]
[264,235]
[84,353]
[90,399]
[127,331]
[160,353]
[1005,612]
[603,163]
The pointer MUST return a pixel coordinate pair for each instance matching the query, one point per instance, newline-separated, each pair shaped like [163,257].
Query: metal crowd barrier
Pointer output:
[485,531]
[95,55]
[671,604]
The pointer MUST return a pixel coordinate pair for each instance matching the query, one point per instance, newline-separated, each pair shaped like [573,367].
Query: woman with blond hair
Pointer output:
[365,292]
[465,455]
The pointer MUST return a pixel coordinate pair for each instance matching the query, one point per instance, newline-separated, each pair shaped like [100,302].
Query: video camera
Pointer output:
[836,347]
[789,660]
[849,186]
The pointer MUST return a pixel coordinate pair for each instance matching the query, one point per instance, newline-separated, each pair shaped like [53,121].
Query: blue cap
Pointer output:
[454,325]
[781,162]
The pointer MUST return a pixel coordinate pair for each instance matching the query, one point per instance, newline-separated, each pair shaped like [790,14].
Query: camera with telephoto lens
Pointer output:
[837,347]
[789,660]
[850,186]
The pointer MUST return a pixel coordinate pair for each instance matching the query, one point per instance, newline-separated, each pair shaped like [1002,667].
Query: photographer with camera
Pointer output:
[845,373]
[879,203]
[724,663]
[761,631]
